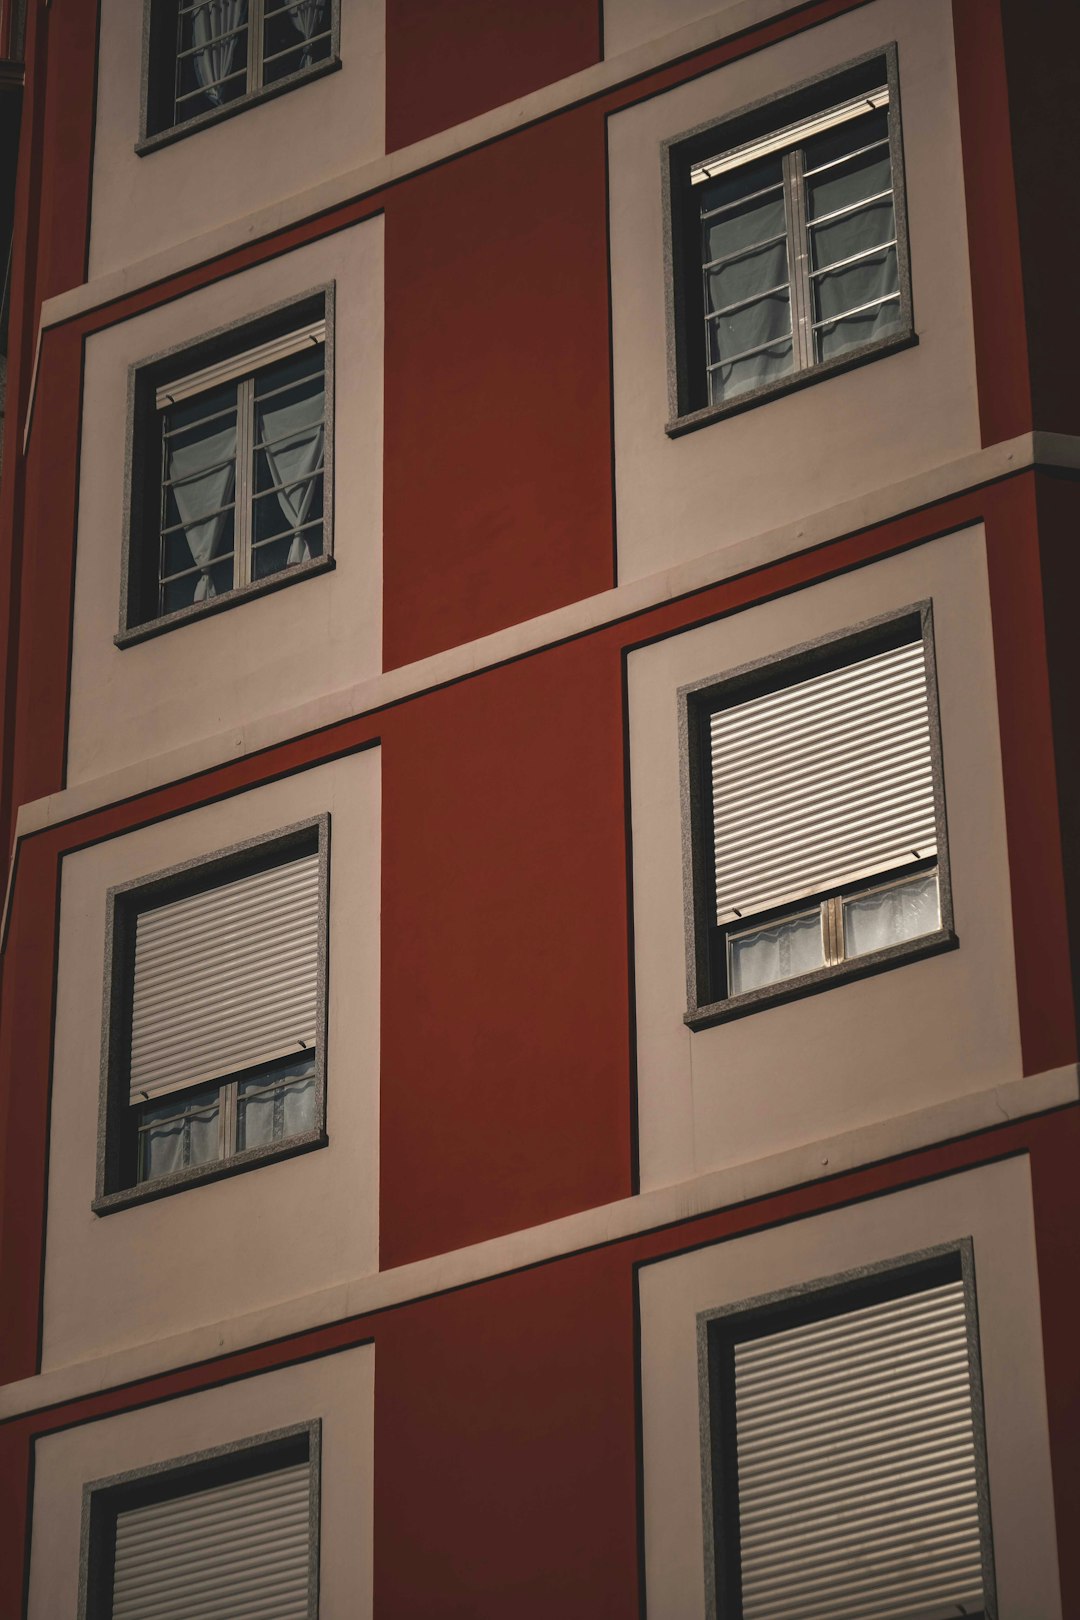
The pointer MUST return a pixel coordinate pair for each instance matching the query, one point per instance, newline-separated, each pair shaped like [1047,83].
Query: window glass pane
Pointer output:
[296,35]
[836,239]
[889,916]
[778,951]
[746,277]
[212,49]
[198,495]
[273,1106]
[766,321]
[866,281]
[179,1131]
[834,179]
[739,376]
[848,333]
[289,449]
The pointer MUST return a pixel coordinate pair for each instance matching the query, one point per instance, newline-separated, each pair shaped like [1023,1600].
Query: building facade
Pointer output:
[539,1067]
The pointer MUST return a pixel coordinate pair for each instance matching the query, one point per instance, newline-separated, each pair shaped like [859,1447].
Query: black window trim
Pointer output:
[116,1188]
[695,703]
[142,471]
[721,1327]
[104,1499]
[771,114]
[153,139]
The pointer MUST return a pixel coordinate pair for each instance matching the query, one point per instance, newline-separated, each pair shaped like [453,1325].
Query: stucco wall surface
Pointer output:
[339,1389]
[804,452]
[265,654]
[860,1052]
[992,1206]
[250,160]
[268,1234]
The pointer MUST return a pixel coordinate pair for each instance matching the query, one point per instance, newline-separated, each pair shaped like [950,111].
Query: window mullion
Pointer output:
[255,45]
[227,1120]
[245,468]
[799,259]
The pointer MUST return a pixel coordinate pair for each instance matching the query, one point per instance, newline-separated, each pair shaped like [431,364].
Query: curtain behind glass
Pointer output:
[309,19]
[780,950]
[202,474]
[289,428]
[215,57]
[890,916]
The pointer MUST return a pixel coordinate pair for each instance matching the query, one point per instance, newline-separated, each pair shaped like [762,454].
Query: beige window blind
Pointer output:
[823,782]
[238,1551]
[857,1468]
[226,979]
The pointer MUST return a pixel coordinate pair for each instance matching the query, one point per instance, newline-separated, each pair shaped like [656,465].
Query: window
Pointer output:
[216,990]
[229,472]
[207,56]
[232,1533]
[843,1451]
[788,242]
[817,820]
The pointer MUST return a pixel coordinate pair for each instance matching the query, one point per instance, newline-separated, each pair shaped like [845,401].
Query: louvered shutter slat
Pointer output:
[226,979]
[856,1464]
[822,783]
[234,1550]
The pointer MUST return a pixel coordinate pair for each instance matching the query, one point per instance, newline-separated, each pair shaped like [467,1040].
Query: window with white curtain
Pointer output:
[815,798]
[230,470]
[212,1537]
[217,986]
[843,1451]
[788,241]
[209,55]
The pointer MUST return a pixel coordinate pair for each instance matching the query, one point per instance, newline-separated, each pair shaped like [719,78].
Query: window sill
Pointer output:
[809,984]
[180,1180]
[218,604]
[907,338]
[217,115]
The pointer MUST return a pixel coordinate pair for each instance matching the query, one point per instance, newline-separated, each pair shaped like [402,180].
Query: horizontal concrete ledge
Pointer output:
[656,1207]
[533,635]
[355,183]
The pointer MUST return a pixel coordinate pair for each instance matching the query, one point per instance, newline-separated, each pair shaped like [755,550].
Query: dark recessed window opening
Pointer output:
[208,54]
[234,1532]
[217,979]
[817,817]
[789,247]
[229,469]
[844,1455]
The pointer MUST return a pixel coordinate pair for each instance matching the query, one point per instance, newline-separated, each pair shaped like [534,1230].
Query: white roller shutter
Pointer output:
[233,1552]
[241,365]
[226,979]
[856,1447]
[822,782]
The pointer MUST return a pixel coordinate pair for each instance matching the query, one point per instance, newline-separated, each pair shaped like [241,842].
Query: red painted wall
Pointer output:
[505,1064]
[505,1449]
[497,474]
[447,62]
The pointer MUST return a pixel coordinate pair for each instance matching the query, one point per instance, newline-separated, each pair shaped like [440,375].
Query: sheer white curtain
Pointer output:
[291,433]
[890,916]
[203,492]
[309,19]
[781,950]
[215,56]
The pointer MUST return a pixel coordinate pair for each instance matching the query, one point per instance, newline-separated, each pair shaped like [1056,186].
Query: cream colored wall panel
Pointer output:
[265,1235]
[861,1052]
[270,652]
[339,1389]
[837,438]
[629,23]
[992,1206]
[257,157]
